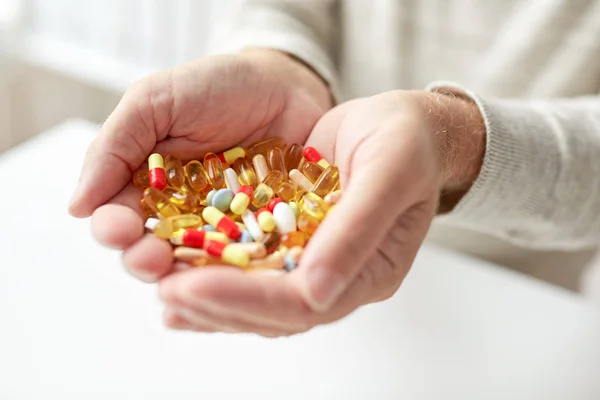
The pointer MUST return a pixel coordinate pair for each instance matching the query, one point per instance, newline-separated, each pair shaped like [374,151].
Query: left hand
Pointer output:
[396,152]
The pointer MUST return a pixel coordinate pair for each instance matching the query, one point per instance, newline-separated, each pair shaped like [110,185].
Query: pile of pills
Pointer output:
[254,208]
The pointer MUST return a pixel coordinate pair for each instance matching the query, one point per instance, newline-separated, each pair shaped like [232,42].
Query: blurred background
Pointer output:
[75,58]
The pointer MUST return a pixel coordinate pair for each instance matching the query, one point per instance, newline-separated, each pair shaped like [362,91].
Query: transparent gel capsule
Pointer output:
[174,171]
[196,179]
[245,171]
[160,203]
[176,225]
[313,205]
[277,162]
[141,179]
[327,182]
[214,170]
[264,145]
[293,156]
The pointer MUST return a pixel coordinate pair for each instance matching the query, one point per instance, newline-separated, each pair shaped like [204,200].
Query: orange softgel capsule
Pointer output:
[327,182]
[293,156]
[312,171]
[160,203]
[196,178]
[214,171]
[277,162]
[264,145]
[141,179]
[245,171]
[174,171]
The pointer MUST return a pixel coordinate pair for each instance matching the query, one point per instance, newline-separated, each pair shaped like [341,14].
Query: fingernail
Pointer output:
[324,288]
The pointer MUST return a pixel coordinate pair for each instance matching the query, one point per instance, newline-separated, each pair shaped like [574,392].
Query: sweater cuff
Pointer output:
[515,182]
[270,29]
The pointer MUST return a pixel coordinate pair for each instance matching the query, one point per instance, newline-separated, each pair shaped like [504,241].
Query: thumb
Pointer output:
[366,213]
[124,142]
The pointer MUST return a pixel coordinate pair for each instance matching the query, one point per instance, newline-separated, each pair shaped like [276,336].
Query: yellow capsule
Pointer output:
[287,191]
[327,181]
[307,223]
[174,171]
[312,171]
[141,179]
[301,181]
[323,163]
[262,195]
[260,166]
[160,203]
[214,171]
[185,201]
[295,209]
[228,157]
[293,239]
[235,256]
[293,156]
[196,178]
[175,225]
[313,205]
[277,162]
[264,145]
[265,219]
[273,179]
[246,174]
[242,199]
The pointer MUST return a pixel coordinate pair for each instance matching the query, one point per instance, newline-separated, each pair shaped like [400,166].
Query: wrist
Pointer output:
[460,134]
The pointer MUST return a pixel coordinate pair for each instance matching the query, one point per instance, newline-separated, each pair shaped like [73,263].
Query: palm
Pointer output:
[226,101]
[208,105]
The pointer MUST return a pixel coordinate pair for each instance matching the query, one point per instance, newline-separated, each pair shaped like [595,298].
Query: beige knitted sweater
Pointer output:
[532,66]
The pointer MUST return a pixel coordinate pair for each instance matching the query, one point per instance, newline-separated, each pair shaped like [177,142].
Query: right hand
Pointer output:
[208,105]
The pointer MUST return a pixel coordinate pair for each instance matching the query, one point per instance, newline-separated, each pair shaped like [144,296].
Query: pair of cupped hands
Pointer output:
[394,152]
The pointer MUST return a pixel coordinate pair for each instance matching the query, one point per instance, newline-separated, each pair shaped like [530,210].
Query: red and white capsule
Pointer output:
[221,222]
[156,170]
[230,254]
[312,154]
[198,238]
[242,199]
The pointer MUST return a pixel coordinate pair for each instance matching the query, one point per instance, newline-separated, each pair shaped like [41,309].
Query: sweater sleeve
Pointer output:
[306,29]
[539,186]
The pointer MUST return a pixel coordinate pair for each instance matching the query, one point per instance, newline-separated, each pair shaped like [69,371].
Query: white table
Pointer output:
[75,326]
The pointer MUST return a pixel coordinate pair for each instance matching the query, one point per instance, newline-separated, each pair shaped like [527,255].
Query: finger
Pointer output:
[323,135]
[271,302]
[361,219]
[119,224]
[205,320]
[141,119]
[149,259]
[257,299]
[174,320]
